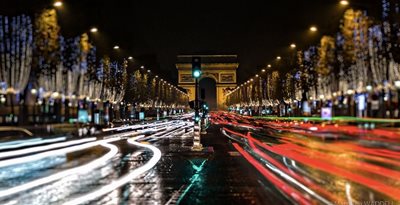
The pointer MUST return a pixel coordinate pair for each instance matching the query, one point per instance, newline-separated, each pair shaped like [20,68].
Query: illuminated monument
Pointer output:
[217,69]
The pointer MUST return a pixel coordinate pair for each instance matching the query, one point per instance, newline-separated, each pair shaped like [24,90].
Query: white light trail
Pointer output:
[77,145]
[166,129]
[80,169]
[30,142]
[63,151]
[18,141]
[123,180]
[43,148]
[348,195]
[133,127]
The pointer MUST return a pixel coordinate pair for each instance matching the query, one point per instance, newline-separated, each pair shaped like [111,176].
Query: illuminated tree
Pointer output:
[15,52]
[106,94]
[47,49]
[353,45]
[144,95]
[152,91]
[288,87]
[274,81]
[115,82]
[309,76]
[326,65]
[94,76]
[84,49]
[16,45]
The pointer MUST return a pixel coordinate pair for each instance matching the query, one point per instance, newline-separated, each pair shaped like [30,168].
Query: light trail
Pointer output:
[113,150]
[42,148]
[293,193]
[169,131]
[34,157]
[81,169]
[283,171]
[338,118]
[14,142]
[77,145]
[123,180]
[332,169]
[135,127]
[31,142]
[350,153]
[63,151]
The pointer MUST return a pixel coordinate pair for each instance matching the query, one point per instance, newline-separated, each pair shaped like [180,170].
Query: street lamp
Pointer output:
[33,91]
[344,2]
[397,84]
[93,30]
[269,65]
[263,70]
[292,45]
[130,58]
[368,88]
[2,99]
[57,4]
[313,29]
[116,47]
[350,92]
[278,58]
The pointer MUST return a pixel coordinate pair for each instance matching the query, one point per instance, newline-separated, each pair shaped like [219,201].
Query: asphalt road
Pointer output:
[245,161]
[217,175]
[323,163]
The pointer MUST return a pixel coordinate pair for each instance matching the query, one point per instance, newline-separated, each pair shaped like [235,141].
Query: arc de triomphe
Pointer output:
[221,68]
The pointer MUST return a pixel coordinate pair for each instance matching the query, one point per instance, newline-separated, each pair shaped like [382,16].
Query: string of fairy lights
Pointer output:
[59,4]
[371,41]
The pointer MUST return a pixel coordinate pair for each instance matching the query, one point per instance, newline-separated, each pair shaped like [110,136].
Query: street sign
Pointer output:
[141,116]
[326,113]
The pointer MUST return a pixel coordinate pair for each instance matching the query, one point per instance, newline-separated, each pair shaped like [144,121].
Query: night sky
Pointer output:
[257,32]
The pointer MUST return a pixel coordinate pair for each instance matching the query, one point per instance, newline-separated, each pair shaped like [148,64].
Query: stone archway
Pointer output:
[221,68]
